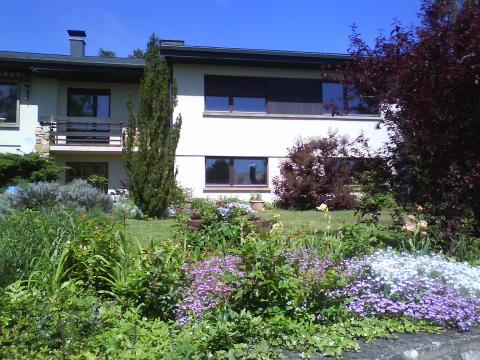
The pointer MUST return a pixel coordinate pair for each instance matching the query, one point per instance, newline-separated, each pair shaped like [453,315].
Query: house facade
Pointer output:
[241,111]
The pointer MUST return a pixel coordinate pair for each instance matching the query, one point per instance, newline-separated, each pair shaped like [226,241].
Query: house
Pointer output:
[241,110]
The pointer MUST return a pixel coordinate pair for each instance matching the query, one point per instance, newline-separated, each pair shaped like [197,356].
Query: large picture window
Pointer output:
[8,103]
[236,171]
[282,96]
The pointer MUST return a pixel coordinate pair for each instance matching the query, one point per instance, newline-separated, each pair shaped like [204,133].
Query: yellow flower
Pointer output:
[276,217]
[276,228]
[322,208]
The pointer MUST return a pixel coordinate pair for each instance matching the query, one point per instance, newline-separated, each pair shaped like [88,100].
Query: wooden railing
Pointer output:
[86,131]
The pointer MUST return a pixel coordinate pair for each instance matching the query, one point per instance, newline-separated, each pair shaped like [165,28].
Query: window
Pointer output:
[357,104]
[8,103]
[343,99]
[295,96]
[333,98]
[236,171]
[232,93]
[282,96]
[88,103]
[83,170]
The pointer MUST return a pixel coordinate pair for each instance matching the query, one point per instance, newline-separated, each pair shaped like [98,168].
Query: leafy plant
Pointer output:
[32,167]
[319,171]
[151,138]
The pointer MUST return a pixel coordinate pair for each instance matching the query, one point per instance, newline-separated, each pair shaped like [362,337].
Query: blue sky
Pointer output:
[122,25]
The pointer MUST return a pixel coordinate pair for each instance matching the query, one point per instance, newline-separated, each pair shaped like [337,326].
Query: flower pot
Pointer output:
[194,224]
[257,205]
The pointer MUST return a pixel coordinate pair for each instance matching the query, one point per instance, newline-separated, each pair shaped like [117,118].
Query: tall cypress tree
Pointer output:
[151,138]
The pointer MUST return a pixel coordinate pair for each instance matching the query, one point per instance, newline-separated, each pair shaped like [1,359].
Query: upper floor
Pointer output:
[232,101]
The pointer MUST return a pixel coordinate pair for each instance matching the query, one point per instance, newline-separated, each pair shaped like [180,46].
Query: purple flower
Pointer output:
[208,285]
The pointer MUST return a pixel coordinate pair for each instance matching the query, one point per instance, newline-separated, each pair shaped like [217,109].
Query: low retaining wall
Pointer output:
[447,345]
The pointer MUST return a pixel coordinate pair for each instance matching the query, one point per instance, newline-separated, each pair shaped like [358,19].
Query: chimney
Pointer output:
[170,42]
[77,42]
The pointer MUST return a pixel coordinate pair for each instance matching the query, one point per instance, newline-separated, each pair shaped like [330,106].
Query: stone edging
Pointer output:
[447,345]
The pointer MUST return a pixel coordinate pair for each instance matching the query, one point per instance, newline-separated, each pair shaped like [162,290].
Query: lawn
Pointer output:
[316,220]
[158,230]
[146,230]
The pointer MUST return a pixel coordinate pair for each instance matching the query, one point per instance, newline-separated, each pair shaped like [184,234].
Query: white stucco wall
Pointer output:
[263,136]
[12,137]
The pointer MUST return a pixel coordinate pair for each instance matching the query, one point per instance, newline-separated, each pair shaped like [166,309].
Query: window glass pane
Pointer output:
[103,106]
[216,103]
[295,96]
[357,104]
[8,103]
[250,171]
[249,104]
[216,171]
[81,105]
[333,101]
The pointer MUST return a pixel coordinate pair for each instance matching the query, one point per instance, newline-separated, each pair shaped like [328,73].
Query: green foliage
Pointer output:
[33,239]
[97,181]
[26,235]
[216,231]
[32,167]
[137,54]
[106,53]
[376,191]
[179,196]
[151,138]
[87,291]
[346,241]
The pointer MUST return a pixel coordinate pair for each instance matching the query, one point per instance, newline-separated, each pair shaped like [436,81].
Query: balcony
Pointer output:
[85,133]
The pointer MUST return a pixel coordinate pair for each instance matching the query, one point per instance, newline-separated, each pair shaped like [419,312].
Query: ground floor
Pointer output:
[205,176]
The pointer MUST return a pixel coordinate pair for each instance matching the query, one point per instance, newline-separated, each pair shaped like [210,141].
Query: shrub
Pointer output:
[83,197]
[319,171]
[126,209]
[25,235]
[377,192]
[5,205]
[31,167]
[44,195]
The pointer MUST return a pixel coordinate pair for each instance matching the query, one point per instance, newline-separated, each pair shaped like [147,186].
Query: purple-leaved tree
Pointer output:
[432,75]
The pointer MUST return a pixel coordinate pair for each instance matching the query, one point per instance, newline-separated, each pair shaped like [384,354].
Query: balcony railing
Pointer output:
[87,131]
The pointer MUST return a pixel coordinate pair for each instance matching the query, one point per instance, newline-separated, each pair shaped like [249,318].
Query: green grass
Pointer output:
[145,230]
[316,220]
[158,230]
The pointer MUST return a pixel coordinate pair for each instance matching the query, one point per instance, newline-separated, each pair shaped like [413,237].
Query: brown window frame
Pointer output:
[311,102]
[231,170]
[69,176]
